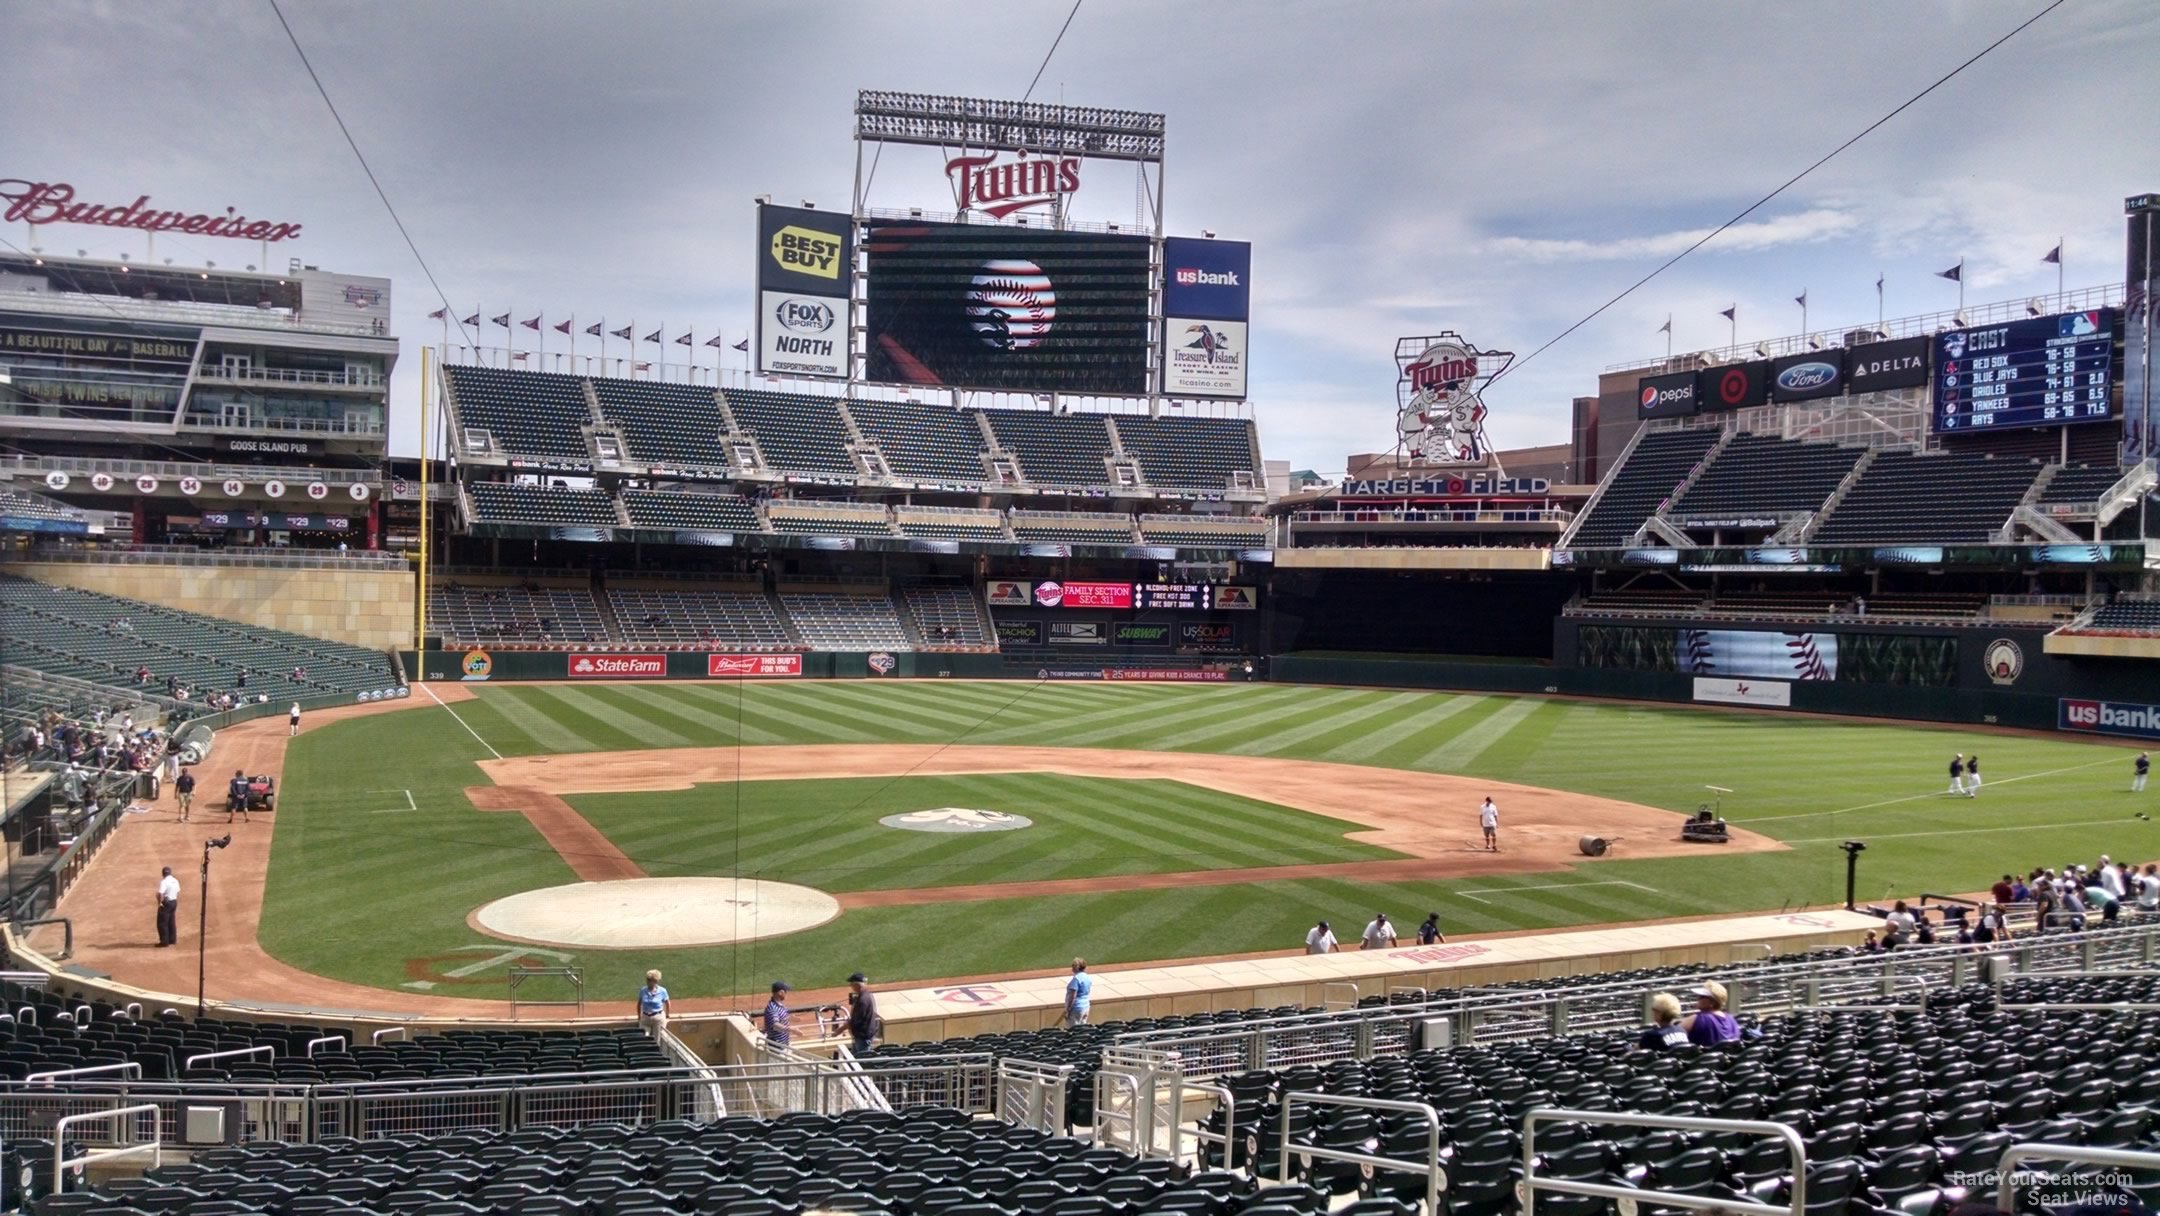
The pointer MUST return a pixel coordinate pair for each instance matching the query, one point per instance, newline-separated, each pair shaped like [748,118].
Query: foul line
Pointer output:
[1869,806]
[2028,827]
[460,721]
[1553,886]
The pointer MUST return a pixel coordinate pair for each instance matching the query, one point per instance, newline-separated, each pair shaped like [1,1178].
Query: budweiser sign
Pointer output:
[738,665]
[617,666]
[31,202]
[999,188]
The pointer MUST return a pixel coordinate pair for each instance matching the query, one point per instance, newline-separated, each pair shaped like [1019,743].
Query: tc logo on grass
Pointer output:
[957,819]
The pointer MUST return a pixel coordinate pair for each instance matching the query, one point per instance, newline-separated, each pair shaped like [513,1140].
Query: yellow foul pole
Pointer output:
[421,578]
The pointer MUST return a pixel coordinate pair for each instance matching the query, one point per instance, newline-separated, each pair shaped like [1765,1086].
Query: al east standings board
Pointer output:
[1002,307]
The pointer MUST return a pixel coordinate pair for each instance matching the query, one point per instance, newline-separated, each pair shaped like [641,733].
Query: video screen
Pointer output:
[1006,308]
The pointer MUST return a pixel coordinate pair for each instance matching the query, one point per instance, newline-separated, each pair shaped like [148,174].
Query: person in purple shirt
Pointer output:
[1710,1025]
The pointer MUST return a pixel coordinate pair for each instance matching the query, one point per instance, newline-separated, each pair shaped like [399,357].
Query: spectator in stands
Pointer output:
[652,1005]
[1320,939]
[863,1023]
[2019,892]
[1664,1033]
[2043,902]
[1079,994]
[240,681]
[1710,1025]
[1994,926]
[2106,902]
[1379,934]
[1900,928]
[777,1030]
[2004,891]
[2111,877]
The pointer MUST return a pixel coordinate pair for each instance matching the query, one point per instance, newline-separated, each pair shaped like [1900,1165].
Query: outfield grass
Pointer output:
[354,892]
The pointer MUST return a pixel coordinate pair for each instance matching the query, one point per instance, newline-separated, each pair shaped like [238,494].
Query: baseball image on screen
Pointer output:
[1007,308]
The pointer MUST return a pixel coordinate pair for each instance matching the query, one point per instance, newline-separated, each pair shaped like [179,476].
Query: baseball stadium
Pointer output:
[946,767]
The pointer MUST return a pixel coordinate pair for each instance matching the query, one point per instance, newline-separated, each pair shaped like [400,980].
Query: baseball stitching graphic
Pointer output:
[1807,661]
[1011,304]
[1696,651]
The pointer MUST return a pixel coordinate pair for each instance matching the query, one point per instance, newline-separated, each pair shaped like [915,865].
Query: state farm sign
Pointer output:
[735,666]
[617,666]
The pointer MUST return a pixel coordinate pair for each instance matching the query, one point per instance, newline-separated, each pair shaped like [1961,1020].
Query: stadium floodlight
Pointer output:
[1209,233]
[1853,849]
[1959,317]
[1814,342]
[1762,350]
[809,205]
[2032,307]
[1014,126]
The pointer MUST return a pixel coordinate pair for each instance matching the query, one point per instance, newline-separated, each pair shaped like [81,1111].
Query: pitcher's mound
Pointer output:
[656,913]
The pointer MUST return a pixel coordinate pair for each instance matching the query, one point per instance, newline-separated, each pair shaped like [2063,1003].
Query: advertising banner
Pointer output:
[1206,636]
[1669,396]
[1052,594]
[617,666]
[1207,279]
[993,307]
[1769,693]
[1019,633]
[805,260]
[1005,593]
[1236,599]
[1735,387]
[1758,655]
[1076,633]
[1806,377]
[1144,634]
[1173,675]
[1203,358]
[2128,719]
[1885,365]
[733,665]
[475,666]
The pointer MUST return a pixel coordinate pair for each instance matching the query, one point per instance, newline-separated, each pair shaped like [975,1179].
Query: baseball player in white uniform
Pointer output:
[1488,818]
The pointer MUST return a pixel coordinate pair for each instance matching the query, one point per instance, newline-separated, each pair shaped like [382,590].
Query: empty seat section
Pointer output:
[797,433]
[2129,616]
[743,618]
[923,442]
[828,518]
[944,523]
[690,512]
[528,413]
[945,615]
[497,502]
[2080,484]
[1072,528]
[1203,530]
[664,423]
[515,613]
[827,620]
[22,505]
[105,639]
[1660,462]
[1907,497]
[1055,449]
[1763,475]
[1190,453]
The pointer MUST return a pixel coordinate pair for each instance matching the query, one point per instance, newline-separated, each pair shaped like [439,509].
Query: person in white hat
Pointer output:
[1710,1025]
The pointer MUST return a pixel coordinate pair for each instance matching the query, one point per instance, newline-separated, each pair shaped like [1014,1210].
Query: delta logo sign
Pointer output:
[2108,718]
[617,666]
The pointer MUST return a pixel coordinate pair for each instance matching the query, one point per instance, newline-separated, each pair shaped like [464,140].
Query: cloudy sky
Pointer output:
[1402,168]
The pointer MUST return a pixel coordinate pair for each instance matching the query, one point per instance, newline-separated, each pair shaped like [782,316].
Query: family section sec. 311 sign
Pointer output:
[2044,372]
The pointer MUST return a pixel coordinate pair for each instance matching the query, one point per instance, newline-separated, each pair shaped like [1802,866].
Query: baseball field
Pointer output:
[1162,822]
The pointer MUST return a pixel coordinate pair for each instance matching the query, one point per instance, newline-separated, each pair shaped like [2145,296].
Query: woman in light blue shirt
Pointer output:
[652,1005]
[1079,994]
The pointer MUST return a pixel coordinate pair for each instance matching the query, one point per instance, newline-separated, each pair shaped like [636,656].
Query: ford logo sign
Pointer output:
[1803,376]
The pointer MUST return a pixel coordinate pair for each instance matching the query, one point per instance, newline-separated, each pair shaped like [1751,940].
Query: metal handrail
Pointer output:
[338,1039]
[2073,1154]
[130,1068]
[61,1162]
[268,1049]
[2107,973]
[1532,1183]
[1435,1177]
[1227,1103]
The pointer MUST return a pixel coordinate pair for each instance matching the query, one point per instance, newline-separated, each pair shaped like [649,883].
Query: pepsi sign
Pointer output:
[1670,396]
[1807,377]
[1207,280]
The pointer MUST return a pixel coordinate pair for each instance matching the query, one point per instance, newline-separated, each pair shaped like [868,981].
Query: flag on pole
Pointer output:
[594,328]
[623,333]
[654,336]
[683,341]
[563,328]
[743,346]
[439,314]
[2054,256]
[533,324]
[1730,314]
[503,320]
[1801,299]
[519,355]
[716,340]
[471,320]
[1666,328]
[1879,277]
[643,367]
[1955,274]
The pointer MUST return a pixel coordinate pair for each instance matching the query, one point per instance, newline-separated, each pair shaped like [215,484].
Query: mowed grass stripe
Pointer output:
[1216,734]
[522,708]
[621,709]
[713,726]
[1461,752]
[1431,712]
[1505,756]
[1314,737]
[759,717]
[1066,729]
[1405,753]
[917,715]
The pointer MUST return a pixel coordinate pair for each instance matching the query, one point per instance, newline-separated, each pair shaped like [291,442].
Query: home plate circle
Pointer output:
[957,819]
[656,913]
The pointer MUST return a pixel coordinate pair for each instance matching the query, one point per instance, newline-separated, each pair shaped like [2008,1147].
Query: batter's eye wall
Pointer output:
[1000,307]
[1467,613]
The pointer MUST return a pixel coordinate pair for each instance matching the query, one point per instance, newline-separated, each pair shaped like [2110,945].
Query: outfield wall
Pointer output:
[370,607]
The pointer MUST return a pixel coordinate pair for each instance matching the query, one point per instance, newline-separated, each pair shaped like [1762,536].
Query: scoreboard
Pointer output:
[2047,371]
[1170,595]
